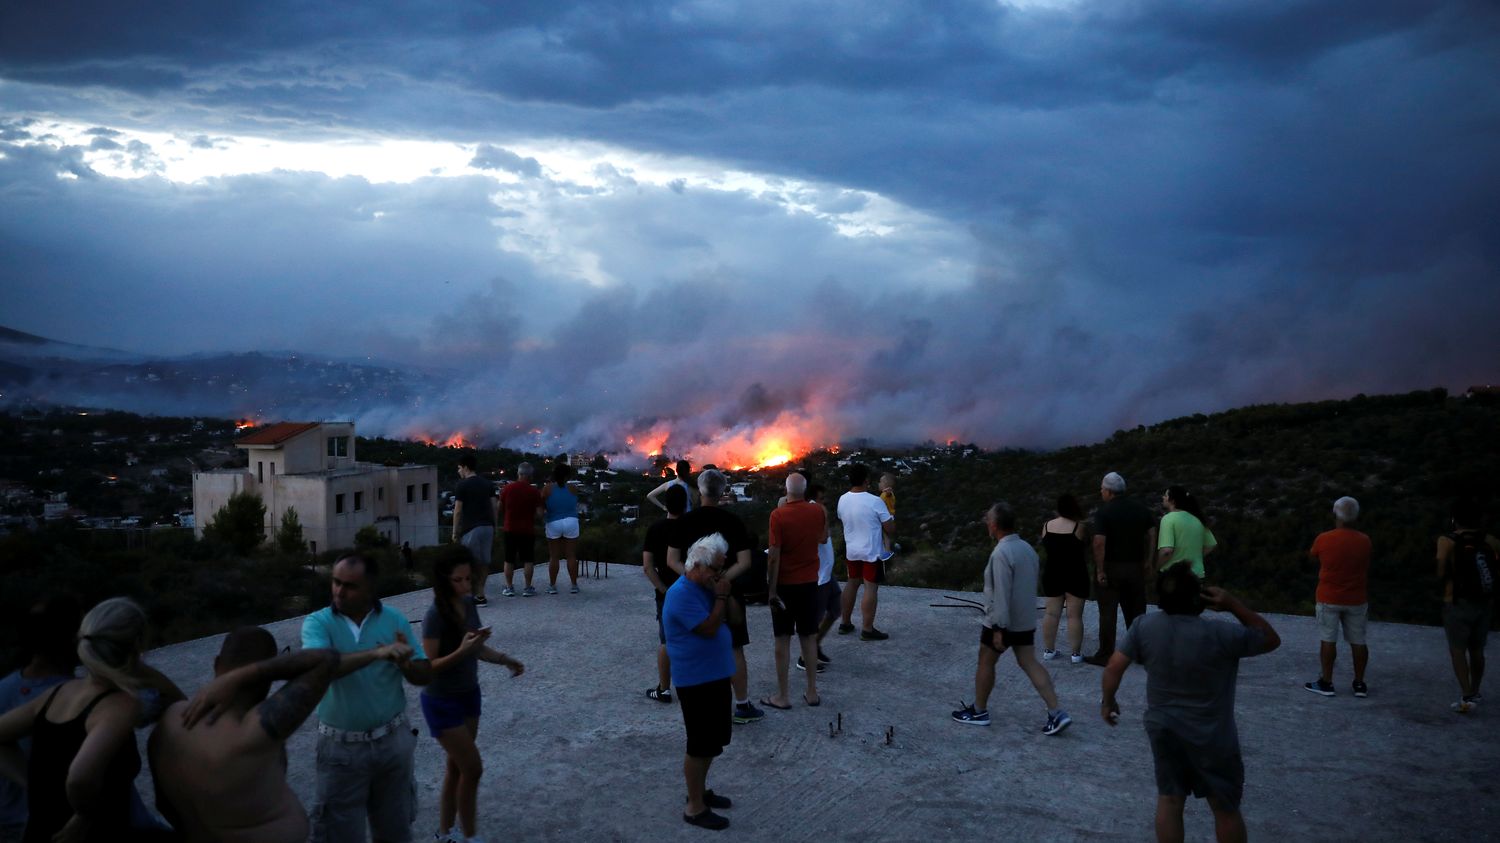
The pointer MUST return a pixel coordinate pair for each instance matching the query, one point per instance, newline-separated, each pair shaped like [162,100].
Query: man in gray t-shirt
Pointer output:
[1192,665]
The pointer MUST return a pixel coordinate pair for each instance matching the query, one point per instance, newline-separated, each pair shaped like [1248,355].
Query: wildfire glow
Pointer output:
[780,442]
[244,424]
[457,440]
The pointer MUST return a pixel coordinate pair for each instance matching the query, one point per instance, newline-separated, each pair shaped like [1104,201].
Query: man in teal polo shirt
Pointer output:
[365,743]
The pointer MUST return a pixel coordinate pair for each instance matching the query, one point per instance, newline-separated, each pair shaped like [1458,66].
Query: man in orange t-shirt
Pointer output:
[797,528]
[1343,557]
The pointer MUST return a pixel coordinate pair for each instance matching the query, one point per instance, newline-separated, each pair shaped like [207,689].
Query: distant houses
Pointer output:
[312,467]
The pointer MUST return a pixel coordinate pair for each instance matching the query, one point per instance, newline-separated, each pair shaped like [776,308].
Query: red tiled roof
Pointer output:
[275,434]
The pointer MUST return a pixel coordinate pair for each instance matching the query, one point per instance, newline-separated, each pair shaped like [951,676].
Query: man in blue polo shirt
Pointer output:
[365,743]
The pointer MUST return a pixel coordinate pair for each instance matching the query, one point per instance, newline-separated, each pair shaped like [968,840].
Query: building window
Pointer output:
[411,493]
[380,495]
[338,504]
[426,491]
[359,501]
[260,472]
[338,446]
[273,469]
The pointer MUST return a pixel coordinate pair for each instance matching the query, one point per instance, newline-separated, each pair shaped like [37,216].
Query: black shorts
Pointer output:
[1008,639]
[801,614]
[1060,578]
[1182,768]
[520,548]
[706,712]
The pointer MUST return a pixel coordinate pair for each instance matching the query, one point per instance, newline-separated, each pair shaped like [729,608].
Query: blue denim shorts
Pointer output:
[444,713]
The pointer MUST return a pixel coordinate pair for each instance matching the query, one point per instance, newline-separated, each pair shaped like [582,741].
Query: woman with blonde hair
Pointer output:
[81,773]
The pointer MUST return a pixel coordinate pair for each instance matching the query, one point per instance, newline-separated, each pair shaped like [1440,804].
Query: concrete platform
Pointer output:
[575,751]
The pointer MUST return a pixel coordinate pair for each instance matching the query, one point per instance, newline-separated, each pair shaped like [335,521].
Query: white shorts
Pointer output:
[563,528]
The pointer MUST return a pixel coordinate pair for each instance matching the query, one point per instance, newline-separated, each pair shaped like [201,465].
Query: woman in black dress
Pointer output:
[1065,579]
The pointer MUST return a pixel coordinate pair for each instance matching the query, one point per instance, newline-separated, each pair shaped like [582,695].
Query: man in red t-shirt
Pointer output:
[519,501]
[1343,557]
[797,528]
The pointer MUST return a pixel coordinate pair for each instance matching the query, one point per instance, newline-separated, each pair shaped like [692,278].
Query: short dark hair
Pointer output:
[468,461]
[51,631]
[859,475]
[814,490]
[246,645]
[684,468]
[1179,591]
[1003,515]
[366,562]
[676,499]
[561,472]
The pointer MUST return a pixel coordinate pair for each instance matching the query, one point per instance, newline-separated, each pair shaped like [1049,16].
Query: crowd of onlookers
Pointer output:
[68,716]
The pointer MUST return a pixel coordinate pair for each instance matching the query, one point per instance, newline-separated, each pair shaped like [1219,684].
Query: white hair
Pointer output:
[711,484]
[705,550]
[796,484]
[1346,509]
[1113,482]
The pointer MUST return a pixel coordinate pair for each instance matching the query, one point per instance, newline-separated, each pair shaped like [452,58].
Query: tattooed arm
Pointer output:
[307,674]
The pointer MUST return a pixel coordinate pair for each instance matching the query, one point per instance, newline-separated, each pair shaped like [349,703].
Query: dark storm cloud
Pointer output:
[1170,207]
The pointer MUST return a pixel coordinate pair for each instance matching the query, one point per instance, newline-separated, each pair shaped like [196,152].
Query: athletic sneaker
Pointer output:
[1049,655]
[872,634]
[1463,706]
[1057,722]
[822,666]
[1475,698]
[574,589]
[662,695]
[529,592]
[447,837]
[885,556]
[747,713]
[551,589]
[823,659]
[1076,658]
[507,592]
[481,600]
[1320,687]
[1361,690]
[968,715]
[846,628]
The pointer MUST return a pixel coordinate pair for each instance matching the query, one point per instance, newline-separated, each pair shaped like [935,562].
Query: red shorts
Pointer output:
[867,571]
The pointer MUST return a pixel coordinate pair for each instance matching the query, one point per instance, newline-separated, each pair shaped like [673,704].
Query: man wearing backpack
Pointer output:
[1466,565]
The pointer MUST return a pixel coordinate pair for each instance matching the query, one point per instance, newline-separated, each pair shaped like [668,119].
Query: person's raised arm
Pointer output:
[14,725]
[166,689]
[472,641]
[1114,673]
[306,672]
[1222,601]
[709,627]
[654,496]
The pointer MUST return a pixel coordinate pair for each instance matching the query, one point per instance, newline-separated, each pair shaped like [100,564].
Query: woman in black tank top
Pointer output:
[1065,579]
[100,712]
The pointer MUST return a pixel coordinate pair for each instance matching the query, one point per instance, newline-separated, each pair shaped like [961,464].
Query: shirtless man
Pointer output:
[219,761]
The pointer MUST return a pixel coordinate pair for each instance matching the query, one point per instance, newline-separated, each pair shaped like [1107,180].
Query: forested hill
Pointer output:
[1268,476]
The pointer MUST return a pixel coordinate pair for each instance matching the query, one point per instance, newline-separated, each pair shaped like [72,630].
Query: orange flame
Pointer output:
[779,442]
[245,424]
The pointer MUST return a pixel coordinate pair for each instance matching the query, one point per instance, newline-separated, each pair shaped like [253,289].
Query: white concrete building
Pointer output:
[311,467]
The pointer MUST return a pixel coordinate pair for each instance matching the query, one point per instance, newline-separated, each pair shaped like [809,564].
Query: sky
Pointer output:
[702,224]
